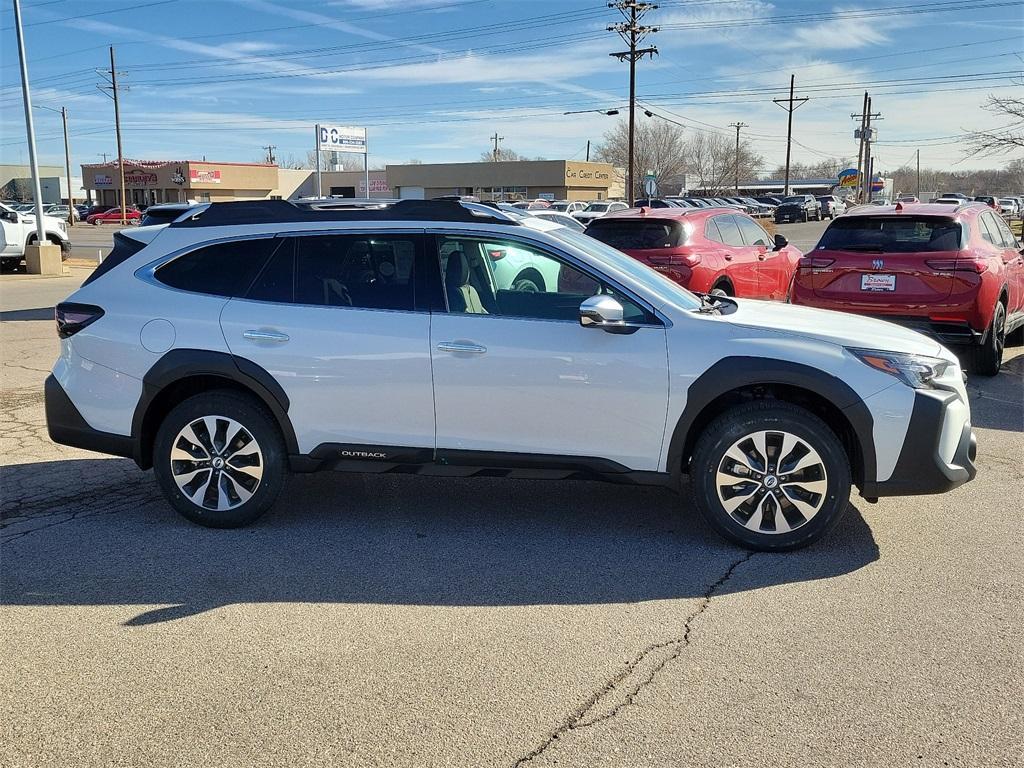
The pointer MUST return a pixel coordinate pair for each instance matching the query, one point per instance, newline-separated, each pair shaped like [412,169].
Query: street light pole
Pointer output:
[63,112]
[29,127]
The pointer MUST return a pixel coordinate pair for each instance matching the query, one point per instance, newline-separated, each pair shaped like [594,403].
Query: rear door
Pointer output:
[741,259]
[881,263]
[338,320]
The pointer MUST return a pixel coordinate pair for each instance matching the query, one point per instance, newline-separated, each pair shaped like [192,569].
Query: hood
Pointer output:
[840,328]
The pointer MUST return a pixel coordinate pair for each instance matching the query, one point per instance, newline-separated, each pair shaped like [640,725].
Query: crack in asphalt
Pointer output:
[581,717]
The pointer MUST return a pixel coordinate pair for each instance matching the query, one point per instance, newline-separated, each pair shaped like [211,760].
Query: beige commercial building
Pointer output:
[148,182]
[519,180]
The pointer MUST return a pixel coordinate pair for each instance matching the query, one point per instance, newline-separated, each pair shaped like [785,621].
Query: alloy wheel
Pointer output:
[771,482]
[216,463]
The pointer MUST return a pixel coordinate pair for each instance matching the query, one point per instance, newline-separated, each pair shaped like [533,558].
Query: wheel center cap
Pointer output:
[770,481]
[218,462]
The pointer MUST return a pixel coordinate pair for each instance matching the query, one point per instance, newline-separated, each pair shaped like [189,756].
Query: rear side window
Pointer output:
[221,269]
[638,234]
[356,271]
[892,234]
[160,216]
[989,231]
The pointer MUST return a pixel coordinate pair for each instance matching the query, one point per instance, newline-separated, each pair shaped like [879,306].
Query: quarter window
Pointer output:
[358,271]
[989,230]
[512,279]
[221,269]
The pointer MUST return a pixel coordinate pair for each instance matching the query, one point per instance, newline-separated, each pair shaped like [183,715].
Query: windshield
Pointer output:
[794,199]
[892,234]
[597,207]
[559,207]
[630,266]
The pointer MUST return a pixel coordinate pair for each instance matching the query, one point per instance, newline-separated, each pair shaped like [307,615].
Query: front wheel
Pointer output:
[219,459]
[770,476]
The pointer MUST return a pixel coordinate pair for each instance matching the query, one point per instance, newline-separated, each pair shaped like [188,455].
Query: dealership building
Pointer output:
[148,182]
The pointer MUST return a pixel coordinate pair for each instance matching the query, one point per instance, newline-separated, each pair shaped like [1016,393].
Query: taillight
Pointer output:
[71,318]
[975,265]
[496,253]
[674,259]
[815,262]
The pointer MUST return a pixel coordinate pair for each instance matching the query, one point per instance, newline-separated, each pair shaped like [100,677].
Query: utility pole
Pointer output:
[270,153]
[918,175]
[67,167]
[632,33]
[791,106]
[860,146]
[112,88]
[496,138]
[29,126]
[103,155]
[737,125]
[869,165]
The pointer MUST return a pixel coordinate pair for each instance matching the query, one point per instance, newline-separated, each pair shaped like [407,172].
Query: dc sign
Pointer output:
[340,138]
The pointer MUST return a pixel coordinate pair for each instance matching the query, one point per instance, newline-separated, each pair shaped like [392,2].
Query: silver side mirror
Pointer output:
[600,311]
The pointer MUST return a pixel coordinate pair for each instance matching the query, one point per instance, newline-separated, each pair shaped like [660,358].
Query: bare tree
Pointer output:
[503,156]
[1006,138]
[348,161]
[658,148]
[711,162]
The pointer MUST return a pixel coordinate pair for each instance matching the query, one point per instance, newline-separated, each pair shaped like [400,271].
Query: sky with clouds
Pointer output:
[433,79]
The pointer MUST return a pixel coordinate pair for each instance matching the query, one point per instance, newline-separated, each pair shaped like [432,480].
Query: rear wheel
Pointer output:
[219,459]
[988,357]
[770,476]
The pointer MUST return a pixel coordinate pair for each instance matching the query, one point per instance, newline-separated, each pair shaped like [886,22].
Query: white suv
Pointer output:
[250,338]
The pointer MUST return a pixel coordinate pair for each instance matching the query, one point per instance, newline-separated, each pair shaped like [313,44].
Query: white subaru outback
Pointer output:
[248,339]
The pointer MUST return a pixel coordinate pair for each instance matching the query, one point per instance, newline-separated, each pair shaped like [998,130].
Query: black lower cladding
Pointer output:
[919,469]
[351,457]
[68,427]
[949,333]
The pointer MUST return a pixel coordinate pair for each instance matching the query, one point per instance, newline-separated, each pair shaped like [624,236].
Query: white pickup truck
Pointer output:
[19,229]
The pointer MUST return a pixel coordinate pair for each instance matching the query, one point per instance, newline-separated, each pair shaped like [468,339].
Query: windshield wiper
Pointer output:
[707,306]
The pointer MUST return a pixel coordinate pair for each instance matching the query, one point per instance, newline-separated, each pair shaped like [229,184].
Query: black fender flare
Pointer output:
[731,373]
[179,364]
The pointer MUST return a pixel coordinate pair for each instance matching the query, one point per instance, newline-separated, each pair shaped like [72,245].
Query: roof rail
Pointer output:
[284,211]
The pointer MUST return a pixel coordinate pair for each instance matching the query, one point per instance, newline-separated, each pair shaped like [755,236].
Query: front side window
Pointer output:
[358,271]
[221,269]
[752,233]
[507,278]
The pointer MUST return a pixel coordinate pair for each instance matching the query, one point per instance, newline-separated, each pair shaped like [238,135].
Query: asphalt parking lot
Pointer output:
[413,621]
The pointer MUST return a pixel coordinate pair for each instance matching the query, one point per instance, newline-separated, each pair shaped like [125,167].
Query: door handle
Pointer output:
[458,346]
[254,335]
[728,257]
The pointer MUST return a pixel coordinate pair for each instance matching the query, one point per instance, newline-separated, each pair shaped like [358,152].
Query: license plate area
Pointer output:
[877,283]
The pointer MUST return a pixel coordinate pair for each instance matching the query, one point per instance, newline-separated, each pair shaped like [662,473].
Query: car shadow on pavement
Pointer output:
[110,539]
[40,313]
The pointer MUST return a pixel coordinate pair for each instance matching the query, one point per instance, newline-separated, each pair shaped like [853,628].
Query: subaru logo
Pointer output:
[877,264]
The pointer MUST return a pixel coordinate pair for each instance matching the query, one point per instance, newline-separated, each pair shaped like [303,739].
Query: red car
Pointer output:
[707,250]
[113,216]
[954,273]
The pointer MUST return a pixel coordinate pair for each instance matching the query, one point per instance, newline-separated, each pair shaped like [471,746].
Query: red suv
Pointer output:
[954,273]
[708,250]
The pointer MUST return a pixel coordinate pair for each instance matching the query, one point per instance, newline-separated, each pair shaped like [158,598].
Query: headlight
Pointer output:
[917,371]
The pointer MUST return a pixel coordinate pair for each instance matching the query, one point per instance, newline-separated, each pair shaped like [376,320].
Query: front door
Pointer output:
[773,267]
[334,319]
[741,259]
[515,372]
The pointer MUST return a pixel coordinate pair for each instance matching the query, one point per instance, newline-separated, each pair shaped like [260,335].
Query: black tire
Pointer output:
[773,417]
[260,426]
[986,358]
[10,265]
[721,289]
[528,281]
